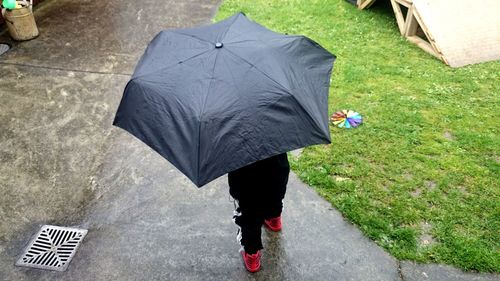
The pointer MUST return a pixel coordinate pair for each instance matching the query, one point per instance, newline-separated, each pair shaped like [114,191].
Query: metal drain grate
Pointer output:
[52,248]
[4,48]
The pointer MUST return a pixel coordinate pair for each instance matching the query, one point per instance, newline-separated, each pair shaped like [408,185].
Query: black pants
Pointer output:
[259,189]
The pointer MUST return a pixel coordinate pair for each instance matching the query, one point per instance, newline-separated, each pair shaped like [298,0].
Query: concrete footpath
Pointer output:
[62,163]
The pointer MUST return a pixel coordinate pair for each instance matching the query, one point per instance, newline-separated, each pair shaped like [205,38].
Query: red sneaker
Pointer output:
[252,262]
[273,224]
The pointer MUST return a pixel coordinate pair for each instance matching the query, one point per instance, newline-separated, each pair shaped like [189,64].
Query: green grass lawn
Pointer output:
[421,175]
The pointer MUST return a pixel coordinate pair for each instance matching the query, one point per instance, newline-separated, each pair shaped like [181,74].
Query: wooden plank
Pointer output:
[365,4]
[422,25]
[411,24]
[405,3]
[400,19]
[464,31]
[428,34]
[413,21]
[423,45]
[408,26]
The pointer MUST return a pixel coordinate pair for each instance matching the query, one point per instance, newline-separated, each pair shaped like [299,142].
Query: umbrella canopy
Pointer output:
[215,98]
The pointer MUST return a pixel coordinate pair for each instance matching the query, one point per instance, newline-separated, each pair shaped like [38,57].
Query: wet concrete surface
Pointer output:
[54,127]
[62,163]
[148,222]
[103,36]
[436,272]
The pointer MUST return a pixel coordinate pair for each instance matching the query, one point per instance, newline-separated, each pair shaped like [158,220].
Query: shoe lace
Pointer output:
[274,221]
[253,260]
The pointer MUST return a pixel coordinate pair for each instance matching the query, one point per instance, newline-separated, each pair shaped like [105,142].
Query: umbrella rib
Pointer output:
[174,64]
[273,39]
[254,66]
[202,110]
[229,27]
[235,83]
[315,124]
[190,35]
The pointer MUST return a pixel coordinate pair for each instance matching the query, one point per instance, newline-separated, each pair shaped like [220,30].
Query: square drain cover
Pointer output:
[52,248]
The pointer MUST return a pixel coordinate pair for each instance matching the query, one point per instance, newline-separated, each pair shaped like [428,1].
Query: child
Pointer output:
[258,190]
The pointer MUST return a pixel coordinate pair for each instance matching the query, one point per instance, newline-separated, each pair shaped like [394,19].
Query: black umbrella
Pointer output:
[215,98]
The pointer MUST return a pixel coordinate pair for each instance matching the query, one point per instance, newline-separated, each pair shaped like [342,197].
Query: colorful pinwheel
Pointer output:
[346,119]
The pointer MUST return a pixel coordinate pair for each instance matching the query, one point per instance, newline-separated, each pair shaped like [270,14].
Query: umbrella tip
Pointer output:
[219,45]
